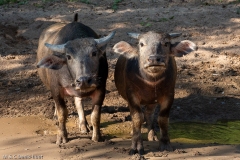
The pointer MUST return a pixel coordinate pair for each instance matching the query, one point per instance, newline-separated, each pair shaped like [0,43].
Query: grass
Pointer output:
[238,10]
[115,4]
[85,1]
[148,21]
[146,24]
[21,2]
[2,2]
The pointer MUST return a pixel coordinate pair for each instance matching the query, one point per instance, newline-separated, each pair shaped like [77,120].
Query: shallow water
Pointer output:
[222,132]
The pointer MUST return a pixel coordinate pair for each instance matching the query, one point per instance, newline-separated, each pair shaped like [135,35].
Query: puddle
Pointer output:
[222,132]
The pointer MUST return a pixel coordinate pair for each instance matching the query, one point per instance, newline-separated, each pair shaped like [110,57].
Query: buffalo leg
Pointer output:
[55,112]
[163,120]
[97,100]
[95,119]
[149,117]
[137,120]
[83,125]
[62,113]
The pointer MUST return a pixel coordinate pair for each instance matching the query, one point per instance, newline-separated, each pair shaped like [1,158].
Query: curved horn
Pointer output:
[56,47]
[173,35]
[133,35]
[102,41]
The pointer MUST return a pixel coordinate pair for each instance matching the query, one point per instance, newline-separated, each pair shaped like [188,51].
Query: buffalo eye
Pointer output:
[141,44]
[69,57]
[94,54]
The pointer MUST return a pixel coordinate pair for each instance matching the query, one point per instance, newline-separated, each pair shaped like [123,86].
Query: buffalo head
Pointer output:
[81,57]
[154,50]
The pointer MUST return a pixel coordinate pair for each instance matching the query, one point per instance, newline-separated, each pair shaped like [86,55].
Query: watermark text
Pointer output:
[19,156]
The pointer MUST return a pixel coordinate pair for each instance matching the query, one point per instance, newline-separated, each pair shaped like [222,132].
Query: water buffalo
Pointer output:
[72,62]
[146,75]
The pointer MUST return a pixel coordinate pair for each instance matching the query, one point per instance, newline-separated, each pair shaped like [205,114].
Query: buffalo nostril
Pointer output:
[151,59]
[79,80]
[89,80]
[155,59]
[84,80]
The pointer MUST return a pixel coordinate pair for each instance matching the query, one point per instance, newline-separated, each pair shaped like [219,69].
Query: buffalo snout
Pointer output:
[84,82]
[155,60]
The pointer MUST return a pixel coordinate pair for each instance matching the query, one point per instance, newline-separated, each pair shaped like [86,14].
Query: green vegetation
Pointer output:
[2,2]
[7,1]
[115,4]
[238,11]
[21,2]
[85,1]
[40,5]
[237,1]
[45,1]
[162,20]
[147,22]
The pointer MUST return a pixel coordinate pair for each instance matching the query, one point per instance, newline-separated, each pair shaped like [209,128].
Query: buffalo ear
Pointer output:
[182,48]
[125,49]
[52,62]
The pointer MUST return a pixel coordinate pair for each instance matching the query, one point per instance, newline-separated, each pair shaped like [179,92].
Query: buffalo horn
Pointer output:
[56,47]
[102,41]
[133,35]
[173,35]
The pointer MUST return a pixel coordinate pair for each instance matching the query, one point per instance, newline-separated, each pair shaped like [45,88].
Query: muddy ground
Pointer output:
[207,88]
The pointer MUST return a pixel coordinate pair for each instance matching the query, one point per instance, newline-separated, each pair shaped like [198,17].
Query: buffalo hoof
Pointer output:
[152,136]
[61,137]
[97,139]
[61,140]
[165,147]
[134,151]
[83,129]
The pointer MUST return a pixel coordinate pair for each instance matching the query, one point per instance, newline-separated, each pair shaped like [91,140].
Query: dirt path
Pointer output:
[207,88]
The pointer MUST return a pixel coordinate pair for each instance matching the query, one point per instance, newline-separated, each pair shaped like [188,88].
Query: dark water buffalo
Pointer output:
[72,62]
[146,75]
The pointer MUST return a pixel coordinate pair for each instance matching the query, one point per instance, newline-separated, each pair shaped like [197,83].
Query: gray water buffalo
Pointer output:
[146,75]
[72,62]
